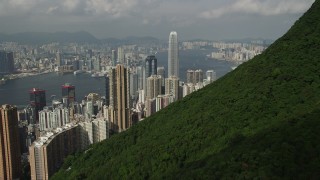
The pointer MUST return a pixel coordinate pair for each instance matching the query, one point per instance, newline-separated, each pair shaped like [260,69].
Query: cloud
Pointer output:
[128,17]
[259,7]
[175,11]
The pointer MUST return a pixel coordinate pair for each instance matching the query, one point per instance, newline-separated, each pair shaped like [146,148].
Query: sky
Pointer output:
[192,19]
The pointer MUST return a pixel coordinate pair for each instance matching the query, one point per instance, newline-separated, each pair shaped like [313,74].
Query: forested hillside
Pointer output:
[260,121]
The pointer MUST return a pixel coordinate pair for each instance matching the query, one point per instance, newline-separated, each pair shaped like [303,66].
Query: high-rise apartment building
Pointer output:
[195,76]
[47,153]
[6,62]
[211,76]
[173,58]
[153,86]
[93,132]
[121,56]
[172,87]
[198,76]
[163,101]
[10,157]
[51,119]
[161,72]
[133,84]
[114,57]
[120,97]
[187,89]
[190,76]
[150,107]
[107,88]
[37,102]
[140,73]
[151,66]
[58,59]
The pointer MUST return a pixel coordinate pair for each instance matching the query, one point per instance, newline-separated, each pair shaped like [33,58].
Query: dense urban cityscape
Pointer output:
[135,88]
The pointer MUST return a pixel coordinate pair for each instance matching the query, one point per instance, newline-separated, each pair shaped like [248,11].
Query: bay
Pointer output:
[16,92]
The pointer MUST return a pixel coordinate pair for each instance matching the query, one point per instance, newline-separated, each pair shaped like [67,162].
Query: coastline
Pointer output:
[22,75]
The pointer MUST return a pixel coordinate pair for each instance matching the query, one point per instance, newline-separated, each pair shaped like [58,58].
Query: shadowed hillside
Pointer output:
[261,120]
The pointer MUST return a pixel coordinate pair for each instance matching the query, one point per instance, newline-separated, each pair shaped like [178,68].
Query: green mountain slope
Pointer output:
[261,120]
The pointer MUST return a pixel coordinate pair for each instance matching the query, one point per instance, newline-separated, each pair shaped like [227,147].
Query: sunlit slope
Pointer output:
[261,120]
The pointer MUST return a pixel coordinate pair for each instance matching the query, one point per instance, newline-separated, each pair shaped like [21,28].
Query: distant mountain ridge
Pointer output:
[69,37]
[85,37]
[44,37]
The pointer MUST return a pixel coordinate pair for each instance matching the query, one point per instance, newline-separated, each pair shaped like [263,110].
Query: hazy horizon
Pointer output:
[203,19]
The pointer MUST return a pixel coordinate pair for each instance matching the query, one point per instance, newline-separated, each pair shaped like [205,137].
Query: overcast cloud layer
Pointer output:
[206,19]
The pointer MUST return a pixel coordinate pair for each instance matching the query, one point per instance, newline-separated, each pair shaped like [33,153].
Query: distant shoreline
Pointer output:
[24,75]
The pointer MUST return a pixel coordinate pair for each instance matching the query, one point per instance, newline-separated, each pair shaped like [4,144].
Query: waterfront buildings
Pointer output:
[10,157]
[173,58]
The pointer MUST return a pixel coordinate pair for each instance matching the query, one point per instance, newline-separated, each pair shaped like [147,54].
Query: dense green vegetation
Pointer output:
[259,121]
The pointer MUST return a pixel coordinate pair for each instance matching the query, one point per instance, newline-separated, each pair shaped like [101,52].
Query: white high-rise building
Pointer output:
[51,119]
[153,86]
[172,87]
[121,56]
[173,59]
[211,76]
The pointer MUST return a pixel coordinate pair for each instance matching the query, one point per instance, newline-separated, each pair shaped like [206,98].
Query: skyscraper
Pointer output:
[48,152]
[194,76]
[37,102]
[198,76]
[133,85]
[120,97]
[114,57]
[58,59]
[161,72]
[153,86]
[151,66]
[140,73]
[69,93]
[190,76]
[211,76]
[10,157]
[172,87]
[107,88]
[6,62]
[121,55]
[173,59]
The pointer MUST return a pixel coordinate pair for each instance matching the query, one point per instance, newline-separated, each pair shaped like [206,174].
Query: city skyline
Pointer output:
[213,20]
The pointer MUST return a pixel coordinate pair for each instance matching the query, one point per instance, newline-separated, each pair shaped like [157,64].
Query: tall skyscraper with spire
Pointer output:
[173,58]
